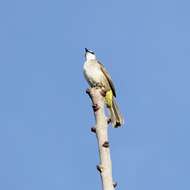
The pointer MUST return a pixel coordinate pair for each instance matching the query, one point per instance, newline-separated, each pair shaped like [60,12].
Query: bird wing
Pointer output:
[108,78]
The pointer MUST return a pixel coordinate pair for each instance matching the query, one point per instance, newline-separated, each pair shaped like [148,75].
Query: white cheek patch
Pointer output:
[90,56]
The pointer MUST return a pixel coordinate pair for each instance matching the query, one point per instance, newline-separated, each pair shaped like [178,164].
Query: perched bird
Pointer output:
[96,75]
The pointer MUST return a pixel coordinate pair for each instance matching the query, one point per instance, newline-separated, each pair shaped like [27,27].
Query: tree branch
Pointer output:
[101,130]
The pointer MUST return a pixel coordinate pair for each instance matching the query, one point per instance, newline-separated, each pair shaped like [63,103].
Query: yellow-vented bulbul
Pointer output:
[96,75]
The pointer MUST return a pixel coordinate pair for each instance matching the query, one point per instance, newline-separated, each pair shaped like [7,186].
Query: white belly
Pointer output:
[93,73]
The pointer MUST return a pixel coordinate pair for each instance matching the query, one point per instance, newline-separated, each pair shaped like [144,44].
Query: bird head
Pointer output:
[89,55]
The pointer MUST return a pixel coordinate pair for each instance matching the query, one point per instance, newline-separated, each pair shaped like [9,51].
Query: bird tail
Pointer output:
[116,117]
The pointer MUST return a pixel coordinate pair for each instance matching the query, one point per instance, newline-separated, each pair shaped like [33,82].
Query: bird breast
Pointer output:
[92,72]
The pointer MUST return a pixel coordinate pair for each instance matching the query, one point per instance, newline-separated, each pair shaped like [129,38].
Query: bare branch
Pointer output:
[101,131]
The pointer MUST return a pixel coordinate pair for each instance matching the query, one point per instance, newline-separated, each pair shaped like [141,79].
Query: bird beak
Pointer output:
[86,50]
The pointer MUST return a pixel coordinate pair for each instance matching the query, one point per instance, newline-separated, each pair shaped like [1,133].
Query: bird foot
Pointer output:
[98,85]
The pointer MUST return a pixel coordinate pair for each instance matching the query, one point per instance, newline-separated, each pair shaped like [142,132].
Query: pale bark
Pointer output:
[101,130]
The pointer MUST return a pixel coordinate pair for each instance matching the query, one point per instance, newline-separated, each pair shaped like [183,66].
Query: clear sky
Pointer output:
[45,115]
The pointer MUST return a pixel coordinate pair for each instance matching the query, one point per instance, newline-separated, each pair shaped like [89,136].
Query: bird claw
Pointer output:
[98,85]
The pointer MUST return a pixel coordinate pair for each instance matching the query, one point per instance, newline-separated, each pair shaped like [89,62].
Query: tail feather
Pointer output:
[116,117]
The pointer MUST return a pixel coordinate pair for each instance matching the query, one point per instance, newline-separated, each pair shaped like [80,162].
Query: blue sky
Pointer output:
[45,115]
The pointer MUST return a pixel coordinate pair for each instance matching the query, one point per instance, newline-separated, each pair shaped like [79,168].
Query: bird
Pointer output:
[97,76]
